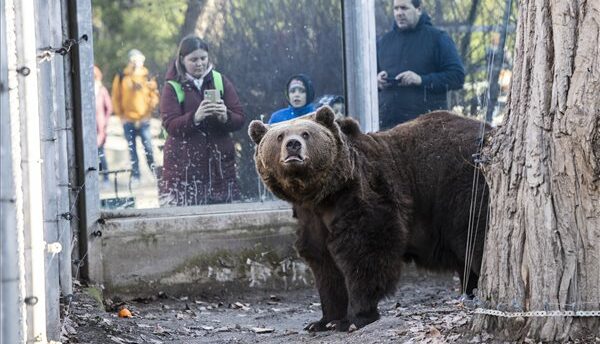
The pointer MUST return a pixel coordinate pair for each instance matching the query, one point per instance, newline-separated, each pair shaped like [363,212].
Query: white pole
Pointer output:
[17,175]
[361,62]
[31,162]
[10,314]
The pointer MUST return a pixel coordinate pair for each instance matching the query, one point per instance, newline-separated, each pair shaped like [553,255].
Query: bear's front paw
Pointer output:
[317,326]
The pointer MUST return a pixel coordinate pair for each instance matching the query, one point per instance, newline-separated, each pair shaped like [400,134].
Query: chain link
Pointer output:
[537,313]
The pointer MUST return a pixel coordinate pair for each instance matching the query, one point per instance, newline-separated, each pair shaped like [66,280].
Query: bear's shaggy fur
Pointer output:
[366,203]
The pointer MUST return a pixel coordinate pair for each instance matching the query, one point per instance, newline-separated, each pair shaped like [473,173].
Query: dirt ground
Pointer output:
[425,309]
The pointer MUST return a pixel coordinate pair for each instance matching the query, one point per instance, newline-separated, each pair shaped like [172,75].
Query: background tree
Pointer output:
[150,26]
[543,242]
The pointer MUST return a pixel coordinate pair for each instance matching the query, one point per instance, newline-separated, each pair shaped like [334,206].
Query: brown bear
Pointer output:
[366,203]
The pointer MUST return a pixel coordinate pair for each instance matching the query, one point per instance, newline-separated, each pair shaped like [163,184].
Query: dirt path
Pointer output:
[425,309]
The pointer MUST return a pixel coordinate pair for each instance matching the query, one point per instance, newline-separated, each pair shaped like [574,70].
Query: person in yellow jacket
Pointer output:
[134,97]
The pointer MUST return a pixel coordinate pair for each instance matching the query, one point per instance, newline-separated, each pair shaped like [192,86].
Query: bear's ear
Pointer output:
[349,126]
[325,116]
[257,130]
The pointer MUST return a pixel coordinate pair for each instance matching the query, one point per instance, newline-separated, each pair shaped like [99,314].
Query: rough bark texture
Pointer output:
[543,244]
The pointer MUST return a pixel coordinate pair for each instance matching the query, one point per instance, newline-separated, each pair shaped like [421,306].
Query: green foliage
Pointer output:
[147,25]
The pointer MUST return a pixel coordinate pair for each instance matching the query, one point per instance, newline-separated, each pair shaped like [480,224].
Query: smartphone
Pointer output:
[392,81]
[212,95]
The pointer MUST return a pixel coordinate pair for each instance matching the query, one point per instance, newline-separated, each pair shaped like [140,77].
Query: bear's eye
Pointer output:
[305,135]
[280,137]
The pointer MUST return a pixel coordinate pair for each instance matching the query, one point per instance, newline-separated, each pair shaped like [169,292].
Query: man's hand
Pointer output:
[408,78]
[381,80]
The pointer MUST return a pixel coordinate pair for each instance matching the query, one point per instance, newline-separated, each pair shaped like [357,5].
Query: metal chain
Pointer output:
[537,313]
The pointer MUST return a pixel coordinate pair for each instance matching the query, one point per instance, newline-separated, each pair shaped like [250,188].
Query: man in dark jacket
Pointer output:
[417,64]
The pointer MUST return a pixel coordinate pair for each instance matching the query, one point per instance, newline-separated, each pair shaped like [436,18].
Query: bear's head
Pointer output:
[302,160]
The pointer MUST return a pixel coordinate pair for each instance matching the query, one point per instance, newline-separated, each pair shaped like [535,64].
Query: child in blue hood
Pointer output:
[299,94]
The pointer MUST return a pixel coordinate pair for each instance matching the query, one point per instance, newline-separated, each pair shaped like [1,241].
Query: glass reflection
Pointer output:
[256,45]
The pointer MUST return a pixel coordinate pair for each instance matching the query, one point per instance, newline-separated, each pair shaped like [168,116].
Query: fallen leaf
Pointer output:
[433,332]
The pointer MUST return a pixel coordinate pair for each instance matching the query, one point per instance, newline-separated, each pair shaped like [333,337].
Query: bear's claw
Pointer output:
[317,326]
[341,326]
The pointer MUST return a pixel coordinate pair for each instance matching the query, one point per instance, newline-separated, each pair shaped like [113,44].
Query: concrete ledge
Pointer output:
[227,249]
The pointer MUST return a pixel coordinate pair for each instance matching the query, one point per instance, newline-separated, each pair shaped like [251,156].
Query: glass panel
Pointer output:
[200,157]
[478,29]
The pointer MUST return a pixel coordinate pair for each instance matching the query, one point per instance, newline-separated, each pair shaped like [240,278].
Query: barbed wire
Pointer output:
[48,53]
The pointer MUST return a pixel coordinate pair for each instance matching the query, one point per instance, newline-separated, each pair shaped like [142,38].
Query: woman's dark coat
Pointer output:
[199,160]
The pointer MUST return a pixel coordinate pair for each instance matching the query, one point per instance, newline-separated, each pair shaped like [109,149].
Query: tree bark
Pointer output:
[543,241]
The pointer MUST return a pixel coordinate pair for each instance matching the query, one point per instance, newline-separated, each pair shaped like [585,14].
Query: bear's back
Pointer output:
[430,157]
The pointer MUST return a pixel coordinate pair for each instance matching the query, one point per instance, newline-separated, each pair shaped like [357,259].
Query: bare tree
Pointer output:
[191,17]
[469,22]
[543,244]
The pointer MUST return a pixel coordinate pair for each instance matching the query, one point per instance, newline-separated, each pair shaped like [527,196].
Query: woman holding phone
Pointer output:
[199,108]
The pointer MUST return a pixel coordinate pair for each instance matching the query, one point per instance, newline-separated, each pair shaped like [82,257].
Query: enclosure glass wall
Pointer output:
[256,46]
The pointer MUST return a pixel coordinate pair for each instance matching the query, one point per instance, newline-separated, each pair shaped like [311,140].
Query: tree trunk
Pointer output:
[466,41]
[192,13]
[543,242]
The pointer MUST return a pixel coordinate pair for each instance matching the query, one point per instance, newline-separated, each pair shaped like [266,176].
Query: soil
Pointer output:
[425,309]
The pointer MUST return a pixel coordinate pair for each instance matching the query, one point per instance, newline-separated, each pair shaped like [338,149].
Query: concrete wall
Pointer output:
[226,248]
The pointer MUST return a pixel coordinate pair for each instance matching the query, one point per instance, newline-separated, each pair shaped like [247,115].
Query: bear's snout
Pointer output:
[293,150]
[293,146]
